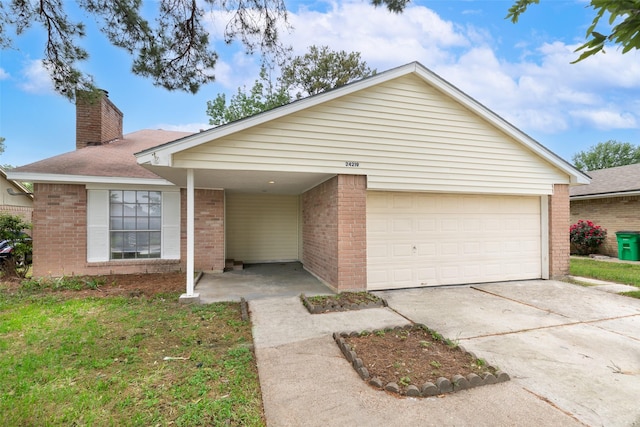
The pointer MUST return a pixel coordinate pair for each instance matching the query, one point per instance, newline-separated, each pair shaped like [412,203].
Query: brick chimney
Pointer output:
[98,120]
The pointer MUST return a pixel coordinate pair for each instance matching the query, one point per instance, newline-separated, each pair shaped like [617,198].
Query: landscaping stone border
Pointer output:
[443,385]
[334,307]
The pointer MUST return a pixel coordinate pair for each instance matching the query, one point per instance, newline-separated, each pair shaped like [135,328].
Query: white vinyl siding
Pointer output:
[405,136]
[98,244]
[261,227]
[418,239]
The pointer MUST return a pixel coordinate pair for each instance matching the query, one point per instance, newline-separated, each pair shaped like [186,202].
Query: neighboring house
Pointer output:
[15,198]
[398,180]
[612,200]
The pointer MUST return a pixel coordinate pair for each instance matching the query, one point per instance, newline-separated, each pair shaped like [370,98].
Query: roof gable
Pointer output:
[166,154]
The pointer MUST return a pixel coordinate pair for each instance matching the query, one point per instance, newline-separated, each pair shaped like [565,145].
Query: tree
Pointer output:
[607,154]
[263,96]
[318,70]
[322,69]
[2,139]
[625,33]
[172,47]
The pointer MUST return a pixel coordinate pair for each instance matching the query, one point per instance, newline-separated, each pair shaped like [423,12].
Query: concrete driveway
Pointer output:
[573,354]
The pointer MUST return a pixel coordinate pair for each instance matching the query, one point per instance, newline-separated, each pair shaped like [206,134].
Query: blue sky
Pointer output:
[520,71]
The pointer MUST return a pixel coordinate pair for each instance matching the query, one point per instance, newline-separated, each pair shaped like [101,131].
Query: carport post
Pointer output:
[190,296]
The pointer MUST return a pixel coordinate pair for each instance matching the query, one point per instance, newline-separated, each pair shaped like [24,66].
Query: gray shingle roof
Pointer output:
[613,180]
[115,159]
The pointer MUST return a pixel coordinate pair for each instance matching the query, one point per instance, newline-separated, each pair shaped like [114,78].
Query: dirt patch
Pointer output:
[341,302]
[148,284]
[415,361]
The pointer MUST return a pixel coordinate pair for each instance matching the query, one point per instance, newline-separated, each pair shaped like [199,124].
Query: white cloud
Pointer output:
[606,119]
[3,74]
[536,87]
[35,79]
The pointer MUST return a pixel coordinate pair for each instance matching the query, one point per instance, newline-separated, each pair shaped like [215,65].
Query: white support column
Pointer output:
[190,296]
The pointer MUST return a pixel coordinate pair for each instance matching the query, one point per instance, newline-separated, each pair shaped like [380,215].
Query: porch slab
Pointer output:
[258,281]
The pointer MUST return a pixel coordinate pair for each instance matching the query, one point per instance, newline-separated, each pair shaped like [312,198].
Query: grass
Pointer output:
[628,274]
[124,361]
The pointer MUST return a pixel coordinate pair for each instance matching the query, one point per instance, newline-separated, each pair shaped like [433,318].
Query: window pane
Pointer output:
[142,209]
[142,196]
[129,223]
[155,197]
[129,242]
[115,196]
[154,223]
[116,209]
[142,223]
[117,241]
[155,210]
[116,223]
[129,209]
[154,244]
[129,196]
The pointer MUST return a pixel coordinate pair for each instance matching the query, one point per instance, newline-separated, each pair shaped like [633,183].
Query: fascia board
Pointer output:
[605,195]
[84,179]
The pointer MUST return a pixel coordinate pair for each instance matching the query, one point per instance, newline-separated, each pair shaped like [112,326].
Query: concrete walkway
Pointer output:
[573,354]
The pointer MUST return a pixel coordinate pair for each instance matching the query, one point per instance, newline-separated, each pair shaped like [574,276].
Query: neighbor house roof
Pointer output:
[21,189]
[99,163]
[611,182]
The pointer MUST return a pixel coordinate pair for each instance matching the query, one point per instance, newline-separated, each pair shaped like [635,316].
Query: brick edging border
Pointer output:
[443,385]
[319,309]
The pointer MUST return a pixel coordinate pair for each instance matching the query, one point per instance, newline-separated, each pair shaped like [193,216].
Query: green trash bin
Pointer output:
[628,245]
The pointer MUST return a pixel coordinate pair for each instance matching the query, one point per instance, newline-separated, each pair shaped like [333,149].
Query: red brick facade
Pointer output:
[612,213]
[209,229]
[59,229]
[60,237]
[97,121]
[334,232]
[559,231]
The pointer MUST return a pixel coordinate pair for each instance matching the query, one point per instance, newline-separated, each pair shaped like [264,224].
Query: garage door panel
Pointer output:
[452,239]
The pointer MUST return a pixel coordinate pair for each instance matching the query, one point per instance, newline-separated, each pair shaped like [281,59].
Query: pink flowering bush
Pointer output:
[586,237]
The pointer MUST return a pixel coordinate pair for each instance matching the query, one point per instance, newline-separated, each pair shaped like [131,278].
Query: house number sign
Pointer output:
[352,164]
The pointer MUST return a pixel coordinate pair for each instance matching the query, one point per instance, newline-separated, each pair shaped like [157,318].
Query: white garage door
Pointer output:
[417,239]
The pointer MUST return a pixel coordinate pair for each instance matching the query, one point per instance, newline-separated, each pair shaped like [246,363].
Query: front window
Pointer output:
[135,224]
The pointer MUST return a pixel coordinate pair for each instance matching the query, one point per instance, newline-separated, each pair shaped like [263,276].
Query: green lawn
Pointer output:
[124,362]
[628,274]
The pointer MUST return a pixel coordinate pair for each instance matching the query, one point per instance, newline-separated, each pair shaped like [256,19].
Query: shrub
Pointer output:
[586,237]
[13,231]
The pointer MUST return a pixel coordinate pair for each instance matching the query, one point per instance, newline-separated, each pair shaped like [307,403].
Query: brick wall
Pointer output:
[613,214]
[23,212]
[334,232]
[559,231]
[60,237]
[59,230]
[320,231]
[97,121]
[352,232]
[209,229]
